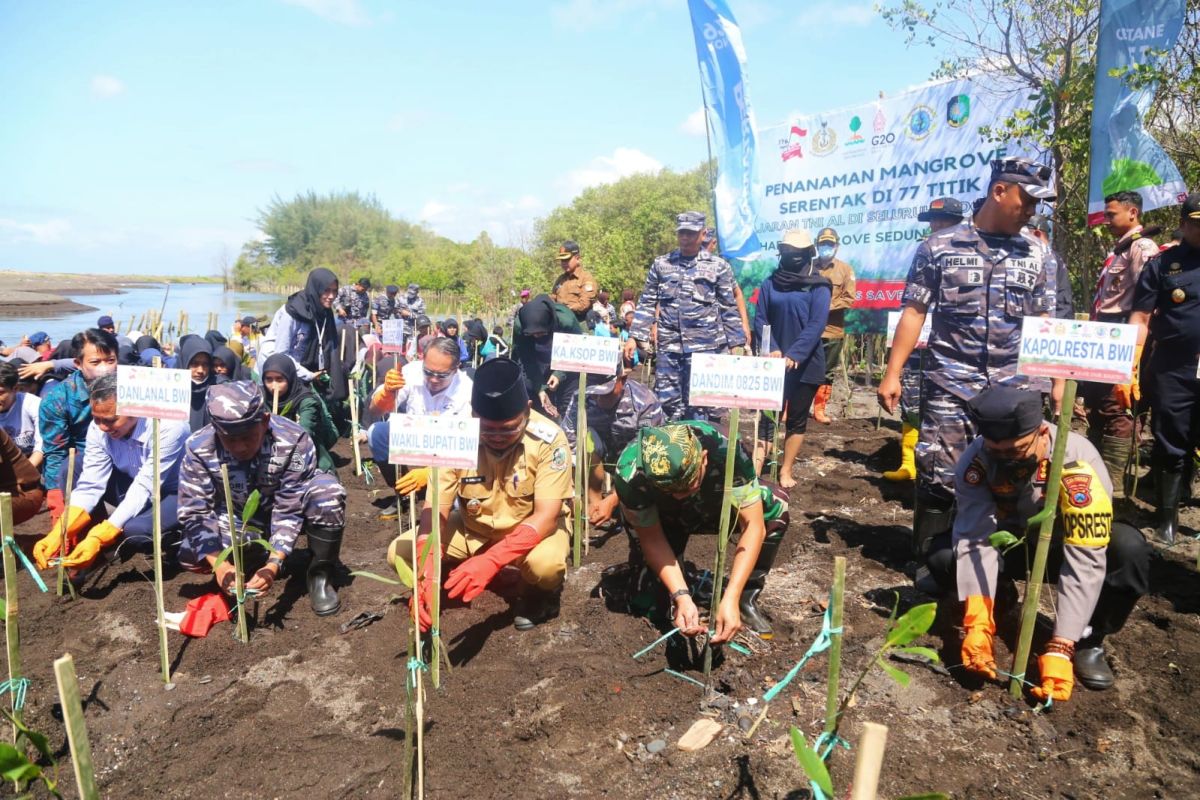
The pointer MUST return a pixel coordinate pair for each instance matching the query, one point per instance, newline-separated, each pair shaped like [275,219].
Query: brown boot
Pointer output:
[819,402]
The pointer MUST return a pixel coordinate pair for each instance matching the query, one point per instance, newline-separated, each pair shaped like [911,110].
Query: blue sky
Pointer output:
[143,137]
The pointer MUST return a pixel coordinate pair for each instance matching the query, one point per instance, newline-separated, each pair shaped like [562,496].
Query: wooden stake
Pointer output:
[156,510]
[63,551]
[1033,588]
[275,402]
[581,471]
[869,763]
[12,629]
[239,584]
[435,552]
[354,427]
[77,737]
[835,644]
[722,535]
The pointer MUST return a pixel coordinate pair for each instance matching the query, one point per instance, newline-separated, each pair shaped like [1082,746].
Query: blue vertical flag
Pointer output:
[1124,154]
[731,123]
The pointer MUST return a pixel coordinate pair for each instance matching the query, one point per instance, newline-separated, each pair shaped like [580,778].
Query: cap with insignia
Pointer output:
[1005,412]
[827,236]
[235,407]
[498,392]
[1033,177]
[690,221]
[392,288]
[670,456]
[942,208]
[568,249]
[1191,206]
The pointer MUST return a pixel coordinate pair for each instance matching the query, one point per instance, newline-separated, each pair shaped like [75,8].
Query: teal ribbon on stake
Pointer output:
[17,687]
[821,644]
[11,544]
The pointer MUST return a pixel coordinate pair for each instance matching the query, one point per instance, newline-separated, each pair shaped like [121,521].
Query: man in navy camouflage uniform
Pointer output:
[353,304]
[411,307]
[690,292]
[984,276]
[386,306]
[276,457]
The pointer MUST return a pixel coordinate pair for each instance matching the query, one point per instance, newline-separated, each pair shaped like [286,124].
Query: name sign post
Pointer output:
[733,382]
[393,336]
[155,393]
[1071,350]
[587,355]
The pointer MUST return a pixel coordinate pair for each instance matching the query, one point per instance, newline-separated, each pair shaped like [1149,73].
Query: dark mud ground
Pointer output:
[564,711]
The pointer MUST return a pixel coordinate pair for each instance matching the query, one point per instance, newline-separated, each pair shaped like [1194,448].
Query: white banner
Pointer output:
[393,336]
[417,440]
[1101,352]
[154,392]
[595,355]
[721,381]
[893,322]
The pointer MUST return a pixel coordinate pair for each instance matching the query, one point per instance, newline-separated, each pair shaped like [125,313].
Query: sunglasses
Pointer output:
[441,376]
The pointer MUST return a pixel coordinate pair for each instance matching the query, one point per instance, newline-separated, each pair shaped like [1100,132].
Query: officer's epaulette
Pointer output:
[1074,465]
[546,431]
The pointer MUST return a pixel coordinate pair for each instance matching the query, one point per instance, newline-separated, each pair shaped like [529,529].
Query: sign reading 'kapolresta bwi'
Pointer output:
[893,322]
[1101,352]
[393,336]
[722,381]
[154,392]
[418,440]
[595,355]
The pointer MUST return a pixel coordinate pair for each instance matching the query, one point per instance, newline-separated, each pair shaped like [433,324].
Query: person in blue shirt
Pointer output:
[794,301]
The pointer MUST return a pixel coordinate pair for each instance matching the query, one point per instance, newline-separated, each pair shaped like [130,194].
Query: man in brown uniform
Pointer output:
[841,276]
[513,508]
[575,288]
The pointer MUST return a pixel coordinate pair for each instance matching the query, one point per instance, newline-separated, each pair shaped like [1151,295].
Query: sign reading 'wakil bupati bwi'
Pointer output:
[1101,352]
[595,355]
[154,392]
[418,440]
[721,381]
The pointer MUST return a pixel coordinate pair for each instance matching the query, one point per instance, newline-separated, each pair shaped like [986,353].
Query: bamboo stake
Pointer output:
[239,582]
[12,629]
[581,471]
[414,674]
[409,711]
[435,552]
[869,763]
[132,317]
[77,736]
[156,510]
[722,535]
[354,427]
[1033,588]
[63,550]
[835,643]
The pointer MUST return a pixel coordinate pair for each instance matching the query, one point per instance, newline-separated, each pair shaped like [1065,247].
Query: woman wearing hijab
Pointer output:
[195,355]
[305,330]
[227,364]
[450,327]
[794,301]
[299,403]
[216,339]
[533,332]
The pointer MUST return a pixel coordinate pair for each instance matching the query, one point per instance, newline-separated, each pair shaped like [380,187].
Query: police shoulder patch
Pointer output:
[539,429]
[974,474]
[1078,489]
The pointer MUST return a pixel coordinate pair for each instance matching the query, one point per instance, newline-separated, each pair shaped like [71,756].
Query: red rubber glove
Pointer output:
[1058,677]
[471,577]
[423,595]
[55,502]
[977,653]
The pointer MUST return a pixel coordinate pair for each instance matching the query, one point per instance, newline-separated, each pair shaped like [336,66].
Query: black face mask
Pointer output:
[1019,470]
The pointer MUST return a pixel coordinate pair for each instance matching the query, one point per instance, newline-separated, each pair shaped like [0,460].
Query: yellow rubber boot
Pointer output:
[908,465]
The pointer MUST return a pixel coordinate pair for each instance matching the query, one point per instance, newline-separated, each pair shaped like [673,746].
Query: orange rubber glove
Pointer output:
[55,502]
[413,481]
[85,553]
[1129,393]
[471,577]
[977,653]
[50,545]
[384,398]
[393,381]
[1058,677]
[423,595]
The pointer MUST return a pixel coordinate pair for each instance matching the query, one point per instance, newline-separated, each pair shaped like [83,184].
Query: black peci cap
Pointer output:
[498,392]
[1005,412]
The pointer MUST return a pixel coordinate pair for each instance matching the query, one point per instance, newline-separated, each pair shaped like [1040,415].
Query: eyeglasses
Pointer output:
[440,376]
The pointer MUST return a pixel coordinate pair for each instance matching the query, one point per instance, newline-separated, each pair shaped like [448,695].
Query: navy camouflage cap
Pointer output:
[943,208]
[1033,177]
[234,407]
[690,221]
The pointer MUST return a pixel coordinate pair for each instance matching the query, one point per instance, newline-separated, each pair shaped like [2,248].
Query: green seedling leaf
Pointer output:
[896,674]
[263,543]
[224,554]
[12,761]
[251,507]
[38,740]
[911,625]
[812,764]
[923,652]
[1003,540]
[363,574]
[405,572]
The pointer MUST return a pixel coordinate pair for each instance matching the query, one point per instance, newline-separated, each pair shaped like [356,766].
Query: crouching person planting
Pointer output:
[277,458]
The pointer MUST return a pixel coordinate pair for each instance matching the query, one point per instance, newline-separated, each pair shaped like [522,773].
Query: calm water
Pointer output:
[197,300]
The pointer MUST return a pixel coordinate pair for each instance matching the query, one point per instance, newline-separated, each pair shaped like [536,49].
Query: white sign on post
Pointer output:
[447,440]
[393,336]
[722,381]
[595,355]
[1101,352]
[893,322]
[154,392]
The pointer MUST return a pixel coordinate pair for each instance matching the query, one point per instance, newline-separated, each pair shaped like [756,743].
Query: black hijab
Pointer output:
[305,307]
[189,349]
[237,370]
[537,316]
[146,342]
[297,389]
[216,339]
[798,270]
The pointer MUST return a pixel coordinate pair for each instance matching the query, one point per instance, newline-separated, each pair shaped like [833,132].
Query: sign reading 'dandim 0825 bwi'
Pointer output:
[595,355]
[154,392]
[1101,352]
[418,440]
[393,336]
[736,381]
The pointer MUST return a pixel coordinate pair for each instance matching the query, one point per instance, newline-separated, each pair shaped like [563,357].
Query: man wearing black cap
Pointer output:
[246,332]
[575,288]
[984,277]
[353,304]
[841,277]
[106,323]
[512,509]
[1102,566]
[386,306]
[411,308]
[1166,305]
[689,293]
[276,458]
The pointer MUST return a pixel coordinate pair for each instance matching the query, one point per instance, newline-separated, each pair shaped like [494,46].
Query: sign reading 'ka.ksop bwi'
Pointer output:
[736,382]
[154,392]
[448,440]
[393,336]
[595,355]
[1101,352]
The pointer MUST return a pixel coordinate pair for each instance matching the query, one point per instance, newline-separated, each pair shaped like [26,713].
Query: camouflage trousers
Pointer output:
[672,373]
[946,430]
[910,390]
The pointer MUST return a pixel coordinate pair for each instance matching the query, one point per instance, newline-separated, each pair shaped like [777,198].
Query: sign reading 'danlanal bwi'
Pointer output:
[595,355]
[154,392]
[393,336]
[893,322]
[418,440]
[1101,352]
[736,381]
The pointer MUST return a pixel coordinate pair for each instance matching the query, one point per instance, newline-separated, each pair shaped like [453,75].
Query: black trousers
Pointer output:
[1176,418]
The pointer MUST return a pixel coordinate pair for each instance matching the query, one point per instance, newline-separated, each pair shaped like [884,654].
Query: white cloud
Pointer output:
[848,15]
[343,12]
[623,162]
[51,231]
[105,86]
[695,124]
[433,211]
[581,15]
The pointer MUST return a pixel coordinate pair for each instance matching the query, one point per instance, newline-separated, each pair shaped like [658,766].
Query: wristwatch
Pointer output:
[678,593]
[277,561]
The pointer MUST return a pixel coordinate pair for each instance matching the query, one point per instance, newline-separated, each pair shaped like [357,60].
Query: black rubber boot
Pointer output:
[932,516]
[325,544]
[1091,665]
[752,617]
[1169,486]
[535,606]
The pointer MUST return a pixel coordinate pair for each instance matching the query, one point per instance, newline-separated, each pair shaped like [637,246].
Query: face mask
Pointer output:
[1018,469]
[825,251]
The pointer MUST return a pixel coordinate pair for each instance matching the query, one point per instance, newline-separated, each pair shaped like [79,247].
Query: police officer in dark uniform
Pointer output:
[1167,304]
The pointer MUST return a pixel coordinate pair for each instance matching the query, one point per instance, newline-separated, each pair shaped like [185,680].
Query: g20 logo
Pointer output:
[883,139]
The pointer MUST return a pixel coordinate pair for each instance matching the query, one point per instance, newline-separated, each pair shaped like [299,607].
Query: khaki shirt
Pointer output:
[1114,295]
[499,494]
[841,275]
[576,291]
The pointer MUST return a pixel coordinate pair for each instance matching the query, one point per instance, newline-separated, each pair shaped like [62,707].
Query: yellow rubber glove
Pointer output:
[413,481]
[384,398]
[1129,393]
[85,553]
[977,652]
[1058,677]
[393,381]
[51,544]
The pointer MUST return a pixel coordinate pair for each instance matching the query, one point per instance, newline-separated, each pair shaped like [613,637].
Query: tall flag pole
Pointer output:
[1133,34]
